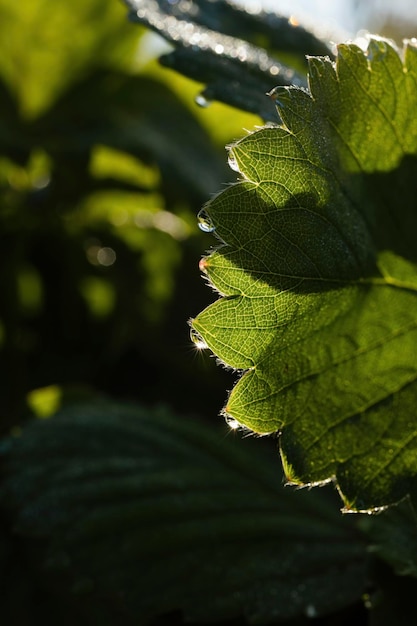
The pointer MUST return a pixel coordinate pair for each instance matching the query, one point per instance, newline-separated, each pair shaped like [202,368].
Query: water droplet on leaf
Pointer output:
[204,222]
[202,101]
[197,340]
[231,422]
[233,163]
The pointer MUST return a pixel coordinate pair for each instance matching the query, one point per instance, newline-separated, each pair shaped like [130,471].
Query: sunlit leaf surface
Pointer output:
[319,276]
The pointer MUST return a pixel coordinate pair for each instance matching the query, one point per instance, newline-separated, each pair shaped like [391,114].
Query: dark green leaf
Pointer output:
[239,19]
[171,516]
[207,50]
[133,114]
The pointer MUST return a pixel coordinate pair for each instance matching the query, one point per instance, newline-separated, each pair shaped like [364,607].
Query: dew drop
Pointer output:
[204,222]
[231,422]
[202,101]
[197,340]
[233,163]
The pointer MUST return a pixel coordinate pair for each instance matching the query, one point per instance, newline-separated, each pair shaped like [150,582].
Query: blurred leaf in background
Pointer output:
[104,163]
[125,514]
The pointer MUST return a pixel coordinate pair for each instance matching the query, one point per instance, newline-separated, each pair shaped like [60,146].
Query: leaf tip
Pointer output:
[290,474]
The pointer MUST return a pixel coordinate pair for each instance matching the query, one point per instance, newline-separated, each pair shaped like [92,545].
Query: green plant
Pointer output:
[319,278]
[125,511]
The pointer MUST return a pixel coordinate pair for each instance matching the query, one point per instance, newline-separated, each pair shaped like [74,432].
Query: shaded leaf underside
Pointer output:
[318,276]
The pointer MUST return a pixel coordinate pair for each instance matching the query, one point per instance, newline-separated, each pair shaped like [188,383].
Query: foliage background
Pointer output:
[105,160]
[101,150]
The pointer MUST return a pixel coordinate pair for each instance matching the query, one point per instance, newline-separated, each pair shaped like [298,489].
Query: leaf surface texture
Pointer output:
[318,276]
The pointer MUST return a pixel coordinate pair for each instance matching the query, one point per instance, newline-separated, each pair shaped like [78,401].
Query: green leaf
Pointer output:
[210,48]
[160,514]
[46,46]
[319,277]
[134,120]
